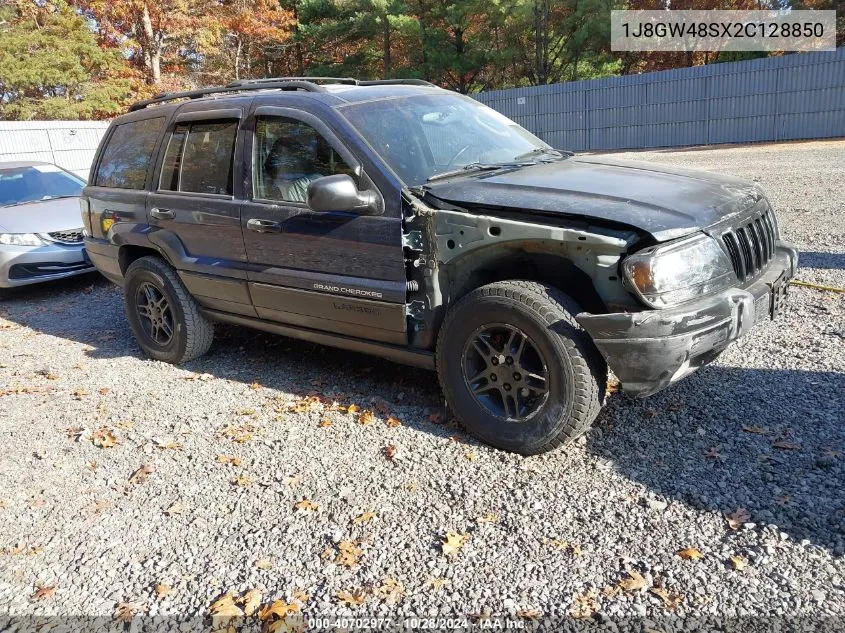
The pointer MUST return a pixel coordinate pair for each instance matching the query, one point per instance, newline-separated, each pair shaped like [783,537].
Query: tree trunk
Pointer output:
[386,45]
[238,59]
[151,48]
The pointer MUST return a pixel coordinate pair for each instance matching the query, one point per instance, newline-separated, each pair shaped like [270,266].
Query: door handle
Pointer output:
[162,214]
[263,226]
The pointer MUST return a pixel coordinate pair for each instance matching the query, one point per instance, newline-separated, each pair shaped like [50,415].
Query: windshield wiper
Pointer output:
[476,167]
[44,199]
[539,152]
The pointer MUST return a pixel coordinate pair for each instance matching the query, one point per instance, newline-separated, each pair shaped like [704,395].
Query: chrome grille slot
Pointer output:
[751,245]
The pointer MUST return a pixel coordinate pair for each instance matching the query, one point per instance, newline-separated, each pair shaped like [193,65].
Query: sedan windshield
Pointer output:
[422,136]
[19,185]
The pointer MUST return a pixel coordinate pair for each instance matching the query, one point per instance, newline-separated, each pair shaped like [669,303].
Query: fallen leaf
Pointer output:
[168,444]
[348,554]
[453,542]
[438,583]
[79,394]
[264,564]
[690,554]
[101,505]
[634,581]
[712,453]
[240,434]
[125,611]
[243,481]
[352,598]
[250,601]
[670,600]
[73,432]
[306,506]
[103,391]
[759,430]
[104,438]
[140,475]
[300,596]
[393,421]
[529,614]
[245,412]
[175,509]
[44,592]
[737,518]
[293,480]
[225,607]
[739,563]
[324,423]
[390,451]
[279,609]
[471,455]
[229,459]
[366,417]
[390,591]
[352,408]
[366,517]
[203,377]
[255,387]
[584,605]
[488,518]
[162,590]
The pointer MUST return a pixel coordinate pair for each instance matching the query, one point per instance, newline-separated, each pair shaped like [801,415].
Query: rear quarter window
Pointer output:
[128,153]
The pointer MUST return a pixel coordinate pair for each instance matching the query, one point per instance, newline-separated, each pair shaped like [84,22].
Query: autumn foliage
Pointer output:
[88,59]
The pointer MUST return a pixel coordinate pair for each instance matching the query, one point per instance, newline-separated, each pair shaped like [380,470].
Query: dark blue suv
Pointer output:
[398,219]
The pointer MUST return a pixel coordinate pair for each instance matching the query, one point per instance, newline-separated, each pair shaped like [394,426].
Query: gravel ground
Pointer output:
[595,527]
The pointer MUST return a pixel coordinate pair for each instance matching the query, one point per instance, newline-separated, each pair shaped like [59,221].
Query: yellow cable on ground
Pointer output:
[797,282]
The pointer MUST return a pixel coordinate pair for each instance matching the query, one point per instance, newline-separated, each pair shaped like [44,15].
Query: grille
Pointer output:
[73,236]
[751,245]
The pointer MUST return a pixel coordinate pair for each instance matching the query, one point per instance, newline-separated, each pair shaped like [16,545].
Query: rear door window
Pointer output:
[199,158]
[127,155]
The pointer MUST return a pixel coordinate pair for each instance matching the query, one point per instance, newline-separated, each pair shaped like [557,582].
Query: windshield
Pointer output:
[19,185]
[425,135]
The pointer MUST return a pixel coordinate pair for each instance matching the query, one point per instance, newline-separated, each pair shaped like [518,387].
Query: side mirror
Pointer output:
[340,193]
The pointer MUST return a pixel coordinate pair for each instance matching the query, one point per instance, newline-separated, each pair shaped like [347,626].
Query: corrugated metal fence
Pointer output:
[68,144]
[771,99]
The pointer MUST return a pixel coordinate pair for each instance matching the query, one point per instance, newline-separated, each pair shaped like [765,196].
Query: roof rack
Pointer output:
[309,84]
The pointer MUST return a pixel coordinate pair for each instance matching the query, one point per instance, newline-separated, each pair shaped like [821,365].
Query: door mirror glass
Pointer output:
[340,193]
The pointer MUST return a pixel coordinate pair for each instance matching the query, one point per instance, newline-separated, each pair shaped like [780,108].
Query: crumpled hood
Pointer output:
[662,201]
[41,217]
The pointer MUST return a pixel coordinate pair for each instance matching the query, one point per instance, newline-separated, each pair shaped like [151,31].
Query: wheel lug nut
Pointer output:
[524,391]
[493,377]
[494,361]
[509,360]
[517,376]
[507,386]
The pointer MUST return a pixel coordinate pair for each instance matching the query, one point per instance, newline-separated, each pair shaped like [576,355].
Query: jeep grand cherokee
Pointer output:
[399,219]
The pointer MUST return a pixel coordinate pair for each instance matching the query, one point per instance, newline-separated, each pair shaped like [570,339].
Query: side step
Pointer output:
[403,355]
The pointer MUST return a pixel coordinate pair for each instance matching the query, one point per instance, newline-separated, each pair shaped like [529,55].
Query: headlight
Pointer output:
[21,239]
[669,274]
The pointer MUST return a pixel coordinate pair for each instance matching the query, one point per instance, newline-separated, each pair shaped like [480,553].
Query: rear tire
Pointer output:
[504,393]
[164,318]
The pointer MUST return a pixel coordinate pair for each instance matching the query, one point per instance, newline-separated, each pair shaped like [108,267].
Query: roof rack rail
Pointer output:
[309,84]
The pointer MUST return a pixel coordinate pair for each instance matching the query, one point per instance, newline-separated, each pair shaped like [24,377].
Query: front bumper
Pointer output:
[651,349]
[24,265]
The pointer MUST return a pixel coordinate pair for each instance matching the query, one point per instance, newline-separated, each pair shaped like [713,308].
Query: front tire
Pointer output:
[164,318]
[516,368]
